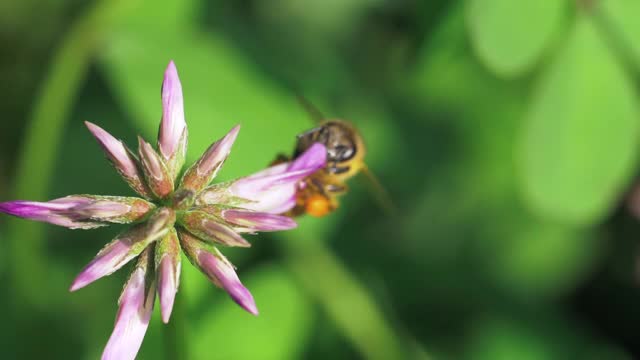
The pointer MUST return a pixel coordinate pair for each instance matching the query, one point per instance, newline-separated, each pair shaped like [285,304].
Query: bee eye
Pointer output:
[341,152]
[347,153]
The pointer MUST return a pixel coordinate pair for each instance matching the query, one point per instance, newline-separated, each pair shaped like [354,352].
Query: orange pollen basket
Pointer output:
[317,205]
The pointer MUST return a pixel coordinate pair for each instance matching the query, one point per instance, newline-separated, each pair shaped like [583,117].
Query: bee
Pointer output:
[318,195]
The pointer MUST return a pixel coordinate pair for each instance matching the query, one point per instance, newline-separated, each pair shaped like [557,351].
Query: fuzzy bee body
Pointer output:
[345,159]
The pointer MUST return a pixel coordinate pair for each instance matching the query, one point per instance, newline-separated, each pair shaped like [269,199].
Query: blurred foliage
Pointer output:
[505,131]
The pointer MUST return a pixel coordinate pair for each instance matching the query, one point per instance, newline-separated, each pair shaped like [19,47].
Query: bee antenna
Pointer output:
[380,194]
[314,113]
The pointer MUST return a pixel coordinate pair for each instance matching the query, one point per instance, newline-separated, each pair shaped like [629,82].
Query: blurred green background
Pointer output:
[506,132]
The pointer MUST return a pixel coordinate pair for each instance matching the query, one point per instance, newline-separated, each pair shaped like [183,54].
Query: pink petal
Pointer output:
[116,151]
[216,154]
[158,179]
[125,247]
[55,212]
[206,168]
[273,190]
[218,269]
[115,255]
[136,305]
[173,123]
[282,207]
[271,170]
[221,272]
[121,159]
[168,278]
[258,221]
[168,264]
[211,228]
[275,200]
[150,159]
[315,157]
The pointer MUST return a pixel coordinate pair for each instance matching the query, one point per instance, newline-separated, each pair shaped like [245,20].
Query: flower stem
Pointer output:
[175,339]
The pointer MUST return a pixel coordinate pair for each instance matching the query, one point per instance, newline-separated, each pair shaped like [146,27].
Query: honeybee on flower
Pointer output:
[173,214]
[318,194]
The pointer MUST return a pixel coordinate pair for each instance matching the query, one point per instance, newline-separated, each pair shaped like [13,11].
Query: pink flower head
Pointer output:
[193,217]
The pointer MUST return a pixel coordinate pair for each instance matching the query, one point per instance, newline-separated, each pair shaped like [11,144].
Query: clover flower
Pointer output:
[171,215]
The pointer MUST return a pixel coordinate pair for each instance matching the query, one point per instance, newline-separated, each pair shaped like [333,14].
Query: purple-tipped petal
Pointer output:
[315,157]
[115,149]
[114,209]
[159,180]
[213,158]
[206,168]
[150,160]
[212,229]
[125,247]
[80,211]
[111,258]
[51,212]
[168,272]
[219,268]
[273,190]
[32,209]
[120,157]
[281,207]
[258,221]
[134,313]
[173,125]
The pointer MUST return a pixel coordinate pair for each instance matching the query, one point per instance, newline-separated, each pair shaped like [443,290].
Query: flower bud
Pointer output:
[172,136]
[54,212]
[125,247]
[218,269]
[158,179]
[121,158]
[211,228]
[113,209]
[135,308]
[206,168]
[168,271]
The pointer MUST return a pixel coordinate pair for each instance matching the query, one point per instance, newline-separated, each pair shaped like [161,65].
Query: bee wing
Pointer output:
[313,112]
[380,194]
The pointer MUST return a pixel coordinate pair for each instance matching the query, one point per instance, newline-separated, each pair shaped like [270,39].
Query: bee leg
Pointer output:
[336,188]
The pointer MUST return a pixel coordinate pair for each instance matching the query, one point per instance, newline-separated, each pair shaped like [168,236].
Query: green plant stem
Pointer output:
[175,339]
[344,300]
[28,264]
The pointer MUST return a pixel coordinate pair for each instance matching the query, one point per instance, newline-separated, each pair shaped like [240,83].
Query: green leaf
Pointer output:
[542,336]
[581,133]
[622,15]
[225,331]
[510,36]
[535,260]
